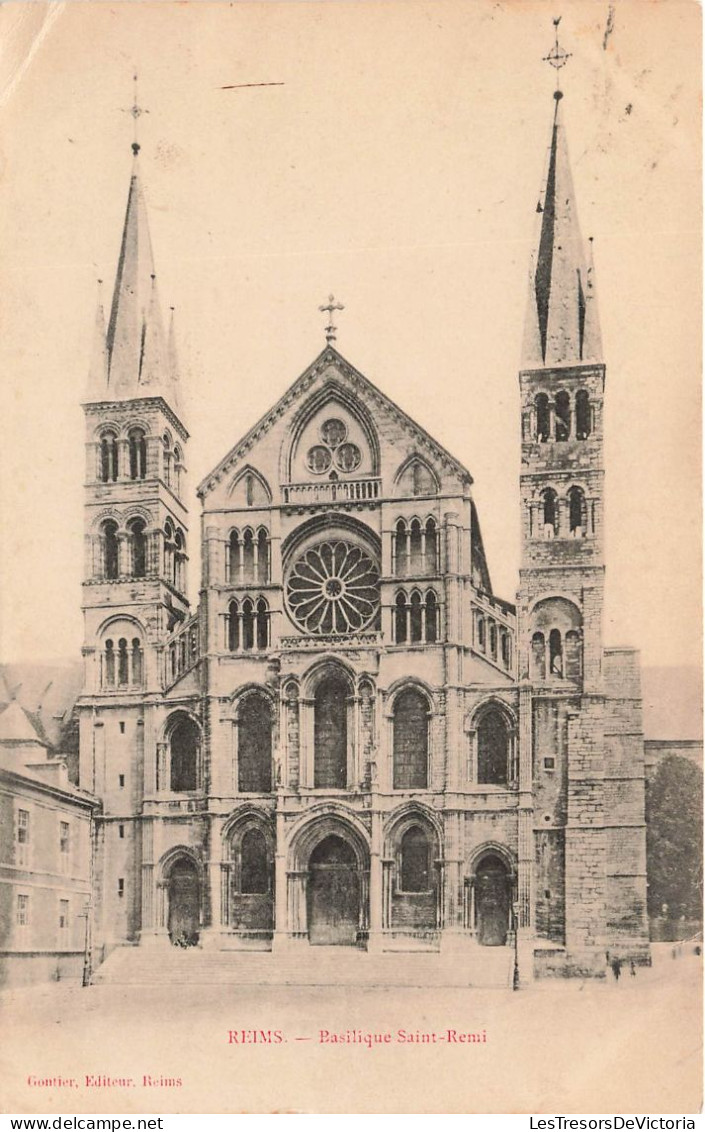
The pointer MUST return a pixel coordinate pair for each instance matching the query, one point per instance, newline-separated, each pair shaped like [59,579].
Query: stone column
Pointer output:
[282,923]
[376,881]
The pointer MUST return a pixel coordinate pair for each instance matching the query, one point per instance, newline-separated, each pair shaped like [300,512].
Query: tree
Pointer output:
[674,839]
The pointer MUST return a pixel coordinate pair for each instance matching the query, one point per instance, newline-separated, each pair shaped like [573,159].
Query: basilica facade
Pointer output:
[352,740]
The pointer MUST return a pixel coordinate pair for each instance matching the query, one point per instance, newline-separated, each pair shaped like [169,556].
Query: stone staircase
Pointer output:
[474,966]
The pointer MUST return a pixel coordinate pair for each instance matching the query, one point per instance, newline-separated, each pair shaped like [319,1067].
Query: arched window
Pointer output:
[493,749]
[234,558]
[549,506]
[431,564]
[401,549]
[184,747]
[166,443]
[138,547]
[178,466]
[108,457]
[415,861]
[431,617]
[168,549]
[109,664]
[111,549]
[410,748]
[538,656]
[254,863]
[248,625]
[555,649]
[562,415]
[577,507]
[137,446]
[400,619]
[330,734]
[481,633]
[178,560]
[233,626]
[506,649]
[415,547]
[262,624]
[254,746]
[583,415]
[493,640]
[248,556]
[543,418]
[123,663]
[136,662]
[416,617]
[573,655]
[262,556]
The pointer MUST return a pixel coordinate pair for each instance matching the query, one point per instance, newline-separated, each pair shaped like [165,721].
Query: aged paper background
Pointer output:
[399,165]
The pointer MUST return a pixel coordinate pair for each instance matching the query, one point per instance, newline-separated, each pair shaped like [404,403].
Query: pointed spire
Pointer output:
[98,372]
[562,327]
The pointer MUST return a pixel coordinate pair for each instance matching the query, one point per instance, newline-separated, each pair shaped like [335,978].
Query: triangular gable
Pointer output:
[361,385]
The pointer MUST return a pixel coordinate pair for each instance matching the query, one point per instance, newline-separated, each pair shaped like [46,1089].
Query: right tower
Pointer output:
[581,705]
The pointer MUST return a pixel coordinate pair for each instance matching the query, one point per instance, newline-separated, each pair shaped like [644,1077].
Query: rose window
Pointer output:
[333,587]
[335,449]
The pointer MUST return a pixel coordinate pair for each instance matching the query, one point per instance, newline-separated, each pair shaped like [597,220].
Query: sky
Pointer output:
[397,165]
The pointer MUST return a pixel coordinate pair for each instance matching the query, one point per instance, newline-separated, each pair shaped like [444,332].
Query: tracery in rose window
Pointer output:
[333,587]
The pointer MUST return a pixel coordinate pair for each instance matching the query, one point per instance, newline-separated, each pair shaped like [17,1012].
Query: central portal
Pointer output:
[333,894]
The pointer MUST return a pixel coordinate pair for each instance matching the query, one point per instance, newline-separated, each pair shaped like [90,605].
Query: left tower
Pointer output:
[136,543]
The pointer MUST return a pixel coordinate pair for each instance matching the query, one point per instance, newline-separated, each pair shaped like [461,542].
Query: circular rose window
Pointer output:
[333,587]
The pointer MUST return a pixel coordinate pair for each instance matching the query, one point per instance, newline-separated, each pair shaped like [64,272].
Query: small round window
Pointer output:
[333,433]
[348,457]
[319,459]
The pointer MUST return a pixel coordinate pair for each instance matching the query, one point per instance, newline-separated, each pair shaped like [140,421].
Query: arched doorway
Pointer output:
[333,893]
[184,891]
[493,893]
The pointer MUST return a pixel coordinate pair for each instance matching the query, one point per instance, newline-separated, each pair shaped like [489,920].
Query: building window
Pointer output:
[330,734]
[108,457]
[254,863]
[555,648]
[63,923]
[138,547]
[178,469]
[549,509]
[577,509]
[121,832]
[415,548]
[416,617]
[573,655]
[166,456]
[416,620]
[22,910]
[64,847]
[23,838]
[410,746]
[123,666]
[121,886]
[481,638]
[493,640]
[254,746]
[121,781]
[543,418]
[538,656]
[562,415]
[137,445]
[493,749]
[111,550]
[184,750]
[400,619]
[415,861]
[583,415]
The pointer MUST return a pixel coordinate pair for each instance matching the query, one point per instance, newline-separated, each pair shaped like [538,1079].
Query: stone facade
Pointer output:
[352,739]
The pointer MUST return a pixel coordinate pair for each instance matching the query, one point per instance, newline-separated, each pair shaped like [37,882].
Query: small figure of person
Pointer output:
[616,965]
[632,969]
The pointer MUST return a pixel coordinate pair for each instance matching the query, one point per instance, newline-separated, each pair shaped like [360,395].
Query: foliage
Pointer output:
[674,839]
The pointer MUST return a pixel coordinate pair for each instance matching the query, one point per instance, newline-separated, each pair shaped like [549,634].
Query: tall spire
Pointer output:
[135,343]
[562,327]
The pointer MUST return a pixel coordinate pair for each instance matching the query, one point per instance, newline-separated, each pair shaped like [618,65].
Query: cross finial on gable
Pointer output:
[329,307]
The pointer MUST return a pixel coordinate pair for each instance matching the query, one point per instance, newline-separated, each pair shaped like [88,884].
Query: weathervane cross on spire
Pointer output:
[557,57]
[329,308]
[135,111]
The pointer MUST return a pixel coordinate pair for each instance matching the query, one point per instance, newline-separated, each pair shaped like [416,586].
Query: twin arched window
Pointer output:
[247,625]
[416,618]
[415,548]
[551,517]
[248,557]
[410,743]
